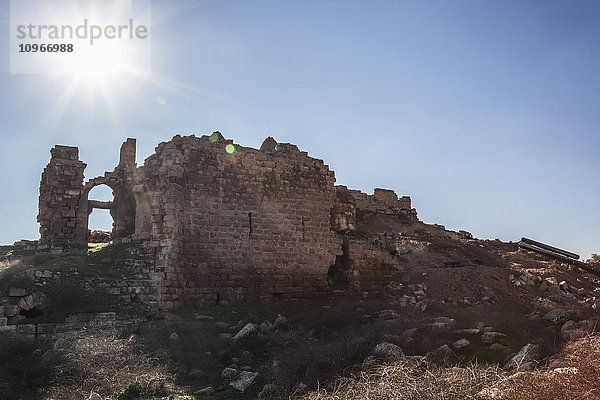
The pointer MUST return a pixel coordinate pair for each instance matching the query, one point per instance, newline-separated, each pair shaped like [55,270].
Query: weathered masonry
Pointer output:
[224,222]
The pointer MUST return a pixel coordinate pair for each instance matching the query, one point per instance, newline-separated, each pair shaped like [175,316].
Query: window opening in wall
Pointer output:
[250,222]
[303,229]
[100,220]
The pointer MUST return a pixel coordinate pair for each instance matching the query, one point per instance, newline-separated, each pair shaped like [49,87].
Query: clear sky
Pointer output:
[485,112]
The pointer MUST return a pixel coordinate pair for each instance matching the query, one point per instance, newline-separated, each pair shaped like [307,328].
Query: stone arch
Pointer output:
[122,208]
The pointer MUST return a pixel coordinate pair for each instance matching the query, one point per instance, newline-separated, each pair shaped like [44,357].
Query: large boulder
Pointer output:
[244,380]
[526,359]
[572,330]
[248,331]
[281,323]
[388,351]
[443,354]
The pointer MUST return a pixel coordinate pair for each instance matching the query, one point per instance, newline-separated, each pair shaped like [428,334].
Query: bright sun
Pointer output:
[101,59]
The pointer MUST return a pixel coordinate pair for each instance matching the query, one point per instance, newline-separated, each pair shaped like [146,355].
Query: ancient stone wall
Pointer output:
[246,225]
[384,201]
[226,223]
[75,326]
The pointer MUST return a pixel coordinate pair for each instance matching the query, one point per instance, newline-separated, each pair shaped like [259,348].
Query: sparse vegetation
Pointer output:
[577,379]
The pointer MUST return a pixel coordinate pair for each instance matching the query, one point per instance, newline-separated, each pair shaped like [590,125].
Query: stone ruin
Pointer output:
[225,223]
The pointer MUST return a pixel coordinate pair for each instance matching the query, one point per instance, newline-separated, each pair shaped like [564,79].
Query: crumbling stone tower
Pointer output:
[64,207]
[60,191]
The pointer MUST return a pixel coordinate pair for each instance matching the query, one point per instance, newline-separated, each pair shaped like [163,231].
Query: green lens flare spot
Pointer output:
[230,148]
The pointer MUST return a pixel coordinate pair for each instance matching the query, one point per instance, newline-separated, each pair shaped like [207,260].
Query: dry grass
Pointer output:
[408,380]
[577,379]
[106,366]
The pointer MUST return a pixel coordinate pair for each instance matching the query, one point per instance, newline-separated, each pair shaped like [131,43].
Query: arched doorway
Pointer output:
[101,205]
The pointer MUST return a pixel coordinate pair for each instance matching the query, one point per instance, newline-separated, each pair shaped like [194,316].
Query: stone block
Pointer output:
[8,330]
[26,330]
[11,310]
[16,292]
[26,303]
[46,328]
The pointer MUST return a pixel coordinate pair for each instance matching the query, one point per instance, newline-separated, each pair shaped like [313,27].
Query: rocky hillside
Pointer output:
[83,323]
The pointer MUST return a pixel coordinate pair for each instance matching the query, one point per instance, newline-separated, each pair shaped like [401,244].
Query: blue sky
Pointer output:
[484,112]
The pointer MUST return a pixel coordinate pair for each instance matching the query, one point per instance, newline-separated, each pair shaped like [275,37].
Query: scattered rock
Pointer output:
[270,390]
[207,391]
[388,351]
[572,330]
[442,324]
[266,328]
[461,344]
[443,354]
[244,380]
[204,317]
[556,316]
[526,359]
[564,286]
[551,281]
[229,373]
[499,348]
[248,331]
[196,374]
[468,332]
[221,325]
[174,336]
[281,323]
[493,337]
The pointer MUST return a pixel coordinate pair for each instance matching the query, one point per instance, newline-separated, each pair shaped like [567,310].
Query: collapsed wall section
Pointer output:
[235,224]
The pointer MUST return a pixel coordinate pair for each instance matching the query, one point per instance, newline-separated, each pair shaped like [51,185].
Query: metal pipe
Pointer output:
[551,248]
